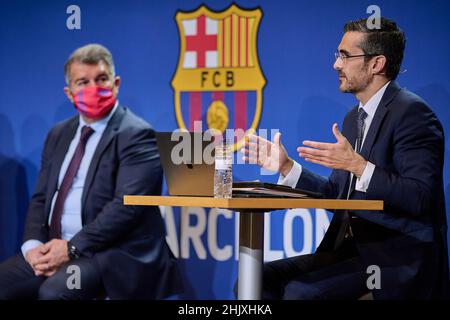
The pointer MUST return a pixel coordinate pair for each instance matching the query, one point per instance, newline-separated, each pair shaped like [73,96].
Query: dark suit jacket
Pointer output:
[406,143]
[128,242]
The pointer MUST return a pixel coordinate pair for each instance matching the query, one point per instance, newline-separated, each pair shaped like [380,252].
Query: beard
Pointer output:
[352,84]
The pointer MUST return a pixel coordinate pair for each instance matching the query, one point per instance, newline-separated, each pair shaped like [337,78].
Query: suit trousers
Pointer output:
[18,281]
[333,275]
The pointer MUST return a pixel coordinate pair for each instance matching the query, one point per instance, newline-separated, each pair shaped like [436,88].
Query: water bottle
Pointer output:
[223,176]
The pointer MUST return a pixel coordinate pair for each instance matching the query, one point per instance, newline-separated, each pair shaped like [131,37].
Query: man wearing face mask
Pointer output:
[80,240]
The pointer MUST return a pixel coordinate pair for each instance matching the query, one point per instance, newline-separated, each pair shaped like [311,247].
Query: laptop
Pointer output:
[188,162]
[186,174]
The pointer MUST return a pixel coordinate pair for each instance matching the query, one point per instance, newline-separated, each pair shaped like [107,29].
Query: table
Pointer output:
[251,226]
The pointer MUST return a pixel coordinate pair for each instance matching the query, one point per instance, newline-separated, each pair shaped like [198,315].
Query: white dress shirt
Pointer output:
[71,221]
[362,183]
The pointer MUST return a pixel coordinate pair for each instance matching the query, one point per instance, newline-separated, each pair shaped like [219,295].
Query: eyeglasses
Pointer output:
[344,57]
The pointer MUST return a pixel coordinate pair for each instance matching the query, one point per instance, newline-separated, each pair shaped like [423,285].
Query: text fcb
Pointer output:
[218,82]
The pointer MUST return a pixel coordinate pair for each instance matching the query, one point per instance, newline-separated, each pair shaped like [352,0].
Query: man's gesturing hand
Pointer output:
[339,155]
[268,155]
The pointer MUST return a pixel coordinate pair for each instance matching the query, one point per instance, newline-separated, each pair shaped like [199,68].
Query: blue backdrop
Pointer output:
[296,42]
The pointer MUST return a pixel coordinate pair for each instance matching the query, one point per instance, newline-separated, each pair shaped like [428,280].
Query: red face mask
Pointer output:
[94,102]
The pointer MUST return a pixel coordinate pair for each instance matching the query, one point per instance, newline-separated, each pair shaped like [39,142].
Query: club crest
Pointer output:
[218,82]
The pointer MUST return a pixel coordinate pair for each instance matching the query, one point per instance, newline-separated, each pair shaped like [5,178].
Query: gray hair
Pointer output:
[89,54]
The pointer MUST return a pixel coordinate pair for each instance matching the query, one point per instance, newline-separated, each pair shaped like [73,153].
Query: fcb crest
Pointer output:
[218,82]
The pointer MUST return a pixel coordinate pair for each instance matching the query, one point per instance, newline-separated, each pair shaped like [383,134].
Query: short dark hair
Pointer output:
[389,40]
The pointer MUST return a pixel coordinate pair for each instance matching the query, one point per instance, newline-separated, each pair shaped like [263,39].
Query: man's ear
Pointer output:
[68,94]
[116,85]
[379,66]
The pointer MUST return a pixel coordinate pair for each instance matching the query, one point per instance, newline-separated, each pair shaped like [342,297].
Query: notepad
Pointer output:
[264,189]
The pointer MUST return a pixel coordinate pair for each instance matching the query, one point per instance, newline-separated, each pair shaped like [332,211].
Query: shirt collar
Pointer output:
[371,106]
[99,125]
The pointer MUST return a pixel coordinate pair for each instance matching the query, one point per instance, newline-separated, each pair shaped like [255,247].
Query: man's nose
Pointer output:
[337,65]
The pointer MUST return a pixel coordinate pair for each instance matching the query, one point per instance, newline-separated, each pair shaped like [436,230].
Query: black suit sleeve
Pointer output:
[36,224]
[139,173]
[417,151]
[328,186]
